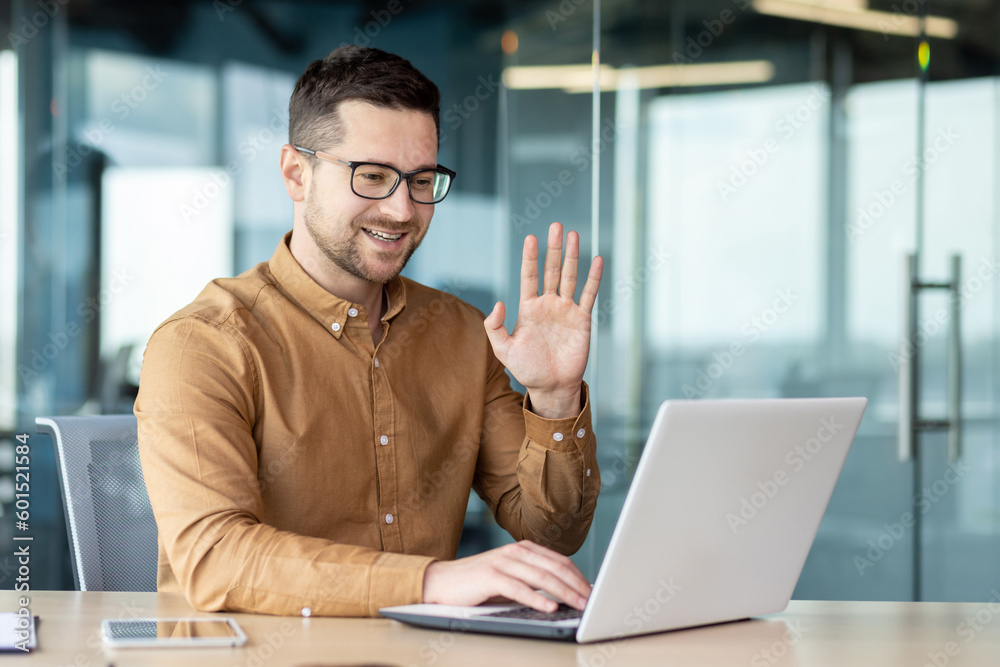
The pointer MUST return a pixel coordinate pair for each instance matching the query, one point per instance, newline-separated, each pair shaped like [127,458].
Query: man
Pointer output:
[310,430]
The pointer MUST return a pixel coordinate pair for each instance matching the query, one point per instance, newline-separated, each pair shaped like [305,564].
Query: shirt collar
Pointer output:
[328,309]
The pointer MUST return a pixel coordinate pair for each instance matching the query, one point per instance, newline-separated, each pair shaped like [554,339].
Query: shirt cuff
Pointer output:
[560,435]
[397,579]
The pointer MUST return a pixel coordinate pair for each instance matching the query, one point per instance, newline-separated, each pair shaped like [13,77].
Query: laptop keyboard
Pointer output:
[564,612]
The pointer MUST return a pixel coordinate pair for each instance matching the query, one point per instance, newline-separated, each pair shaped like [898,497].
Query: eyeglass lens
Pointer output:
[376,181]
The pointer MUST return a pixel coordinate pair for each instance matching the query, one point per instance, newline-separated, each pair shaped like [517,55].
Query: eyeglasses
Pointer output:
[372,180]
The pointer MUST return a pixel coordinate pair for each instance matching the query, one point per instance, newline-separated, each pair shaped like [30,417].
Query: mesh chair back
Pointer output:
[112,533]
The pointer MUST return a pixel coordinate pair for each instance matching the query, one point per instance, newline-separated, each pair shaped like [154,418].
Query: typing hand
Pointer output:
[548,349]
[514,571]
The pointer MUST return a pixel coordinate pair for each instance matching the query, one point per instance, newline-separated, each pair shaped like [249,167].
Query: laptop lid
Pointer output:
[717,523]
[725,503]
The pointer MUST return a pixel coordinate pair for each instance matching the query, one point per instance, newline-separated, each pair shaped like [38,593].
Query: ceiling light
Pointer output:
[854,14]
[580,78]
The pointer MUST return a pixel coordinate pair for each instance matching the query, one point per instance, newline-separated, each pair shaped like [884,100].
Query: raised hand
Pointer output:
[548,349]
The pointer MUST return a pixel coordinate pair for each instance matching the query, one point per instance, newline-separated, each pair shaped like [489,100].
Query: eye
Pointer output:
[374,173]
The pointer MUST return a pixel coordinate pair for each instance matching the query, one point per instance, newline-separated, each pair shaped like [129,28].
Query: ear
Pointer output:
[295,172]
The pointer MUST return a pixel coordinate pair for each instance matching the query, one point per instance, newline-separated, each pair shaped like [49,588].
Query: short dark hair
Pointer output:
[355,73]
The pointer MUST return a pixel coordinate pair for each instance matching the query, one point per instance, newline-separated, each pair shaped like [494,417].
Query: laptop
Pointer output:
[716,526]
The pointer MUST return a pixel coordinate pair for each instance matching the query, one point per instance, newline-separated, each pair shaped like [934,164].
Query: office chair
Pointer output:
[112,533]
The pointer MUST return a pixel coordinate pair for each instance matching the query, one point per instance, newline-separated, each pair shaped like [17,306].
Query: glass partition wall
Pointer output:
[755,173]
[766,223]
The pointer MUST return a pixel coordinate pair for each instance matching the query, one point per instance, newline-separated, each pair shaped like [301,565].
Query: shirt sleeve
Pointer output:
[538,476]
[197,404]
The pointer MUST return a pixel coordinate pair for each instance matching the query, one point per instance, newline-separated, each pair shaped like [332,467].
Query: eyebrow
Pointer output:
[405,171]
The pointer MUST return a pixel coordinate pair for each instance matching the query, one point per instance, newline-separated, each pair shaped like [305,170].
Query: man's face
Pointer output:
[359,236]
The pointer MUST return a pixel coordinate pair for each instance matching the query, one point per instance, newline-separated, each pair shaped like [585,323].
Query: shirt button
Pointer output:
[588,472]
[582,432]
[388,518]
[353,312]
[557,437]
[376,362]
[335,326]
[384,440]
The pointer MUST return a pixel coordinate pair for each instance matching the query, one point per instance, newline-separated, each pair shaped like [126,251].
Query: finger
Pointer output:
[589,294]
[516,590]
[529,268]
[553,259]
[540,578]
[560,566]
[496,332]
[567,285]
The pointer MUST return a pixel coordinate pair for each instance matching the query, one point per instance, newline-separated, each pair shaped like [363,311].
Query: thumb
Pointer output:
[495,331]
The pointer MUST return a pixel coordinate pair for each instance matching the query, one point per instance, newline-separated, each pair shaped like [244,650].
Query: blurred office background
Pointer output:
[754,171]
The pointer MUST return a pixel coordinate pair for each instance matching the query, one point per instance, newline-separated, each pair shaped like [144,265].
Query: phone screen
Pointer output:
[173,631]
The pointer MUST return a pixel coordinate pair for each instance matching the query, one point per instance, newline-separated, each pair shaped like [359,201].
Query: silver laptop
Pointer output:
[716,526]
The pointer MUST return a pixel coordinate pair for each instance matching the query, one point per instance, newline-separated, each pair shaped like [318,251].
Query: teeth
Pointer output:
[383,236]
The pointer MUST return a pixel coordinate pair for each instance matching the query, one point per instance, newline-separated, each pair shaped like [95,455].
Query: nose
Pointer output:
[398,205]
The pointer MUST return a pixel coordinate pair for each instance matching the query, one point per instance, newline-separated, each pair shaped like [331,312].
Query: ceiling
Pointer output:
[633,31]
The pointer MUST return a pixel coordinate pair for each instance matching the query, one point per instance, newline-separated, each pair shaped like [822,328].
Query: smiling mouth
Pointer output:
[383,236]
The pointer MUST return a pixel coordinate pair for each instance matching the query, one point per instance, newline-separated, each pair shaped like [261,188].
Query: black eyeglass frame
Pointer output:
[401,176]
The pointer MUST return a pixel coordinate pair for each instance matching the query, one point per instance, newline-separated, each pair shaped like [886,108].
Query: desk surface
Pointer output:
[807,633]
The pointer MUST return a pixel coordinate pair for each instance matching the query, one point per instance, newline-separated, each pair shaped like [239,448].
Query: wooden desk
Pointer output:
[840,634]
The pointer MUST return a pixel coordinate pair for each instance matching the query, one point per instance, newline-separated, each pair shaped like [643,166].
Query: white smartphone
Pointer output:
[174,632]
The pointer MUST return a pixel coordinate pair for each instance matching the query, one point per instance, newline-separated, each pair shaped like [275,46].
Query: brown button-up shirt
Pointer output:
[291,463]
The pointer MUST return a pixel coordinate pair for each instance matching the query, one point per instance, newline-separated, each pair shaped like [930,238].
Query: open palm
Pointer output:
[548,349]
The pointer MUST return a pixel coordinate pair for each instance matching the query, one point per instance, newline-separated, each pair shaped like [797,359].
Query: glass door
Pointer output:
[922,308]
[956,336]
